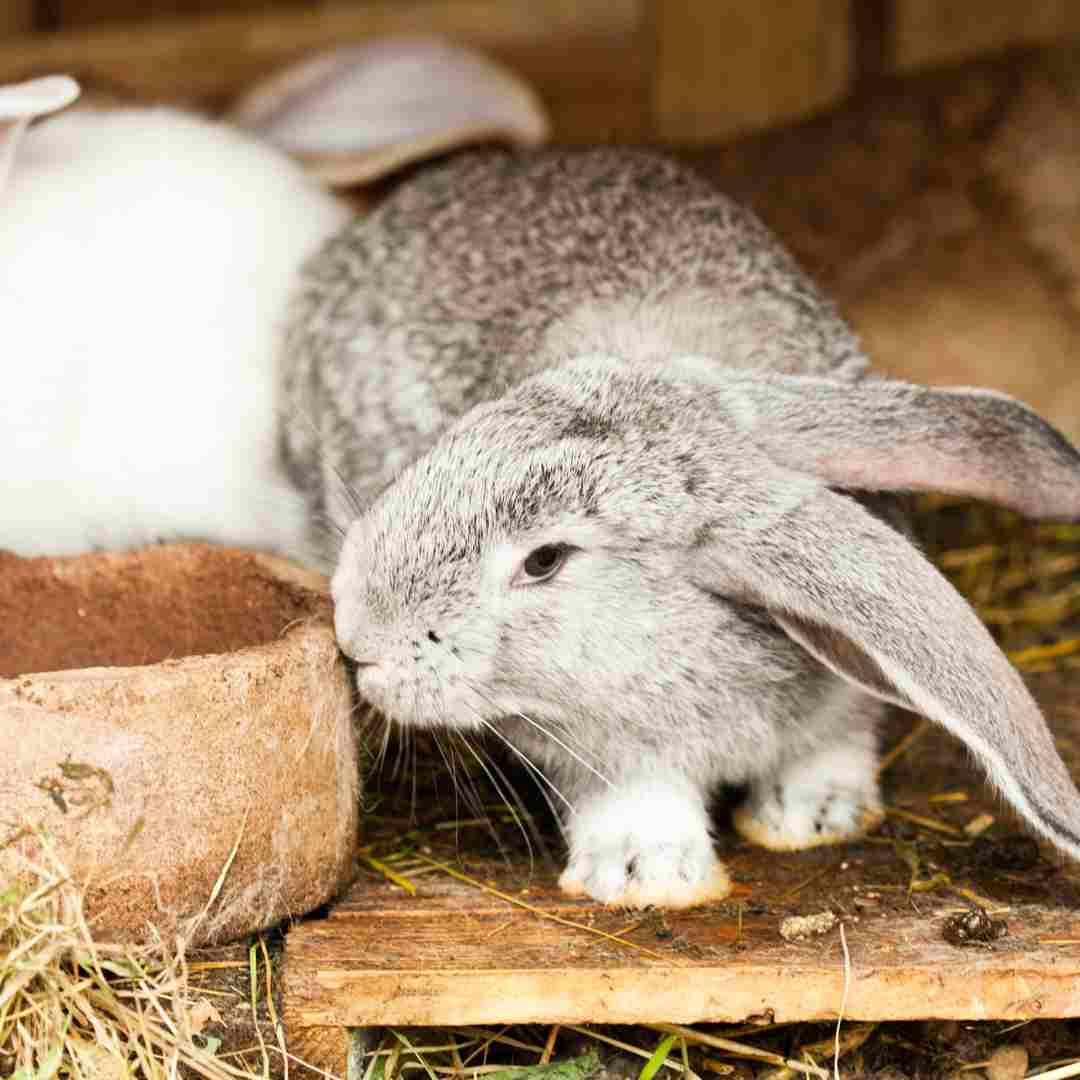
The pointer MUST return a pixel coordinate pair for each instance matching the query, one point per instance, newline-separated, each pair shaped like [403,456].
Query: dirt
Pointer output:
[973,927]
[140,607]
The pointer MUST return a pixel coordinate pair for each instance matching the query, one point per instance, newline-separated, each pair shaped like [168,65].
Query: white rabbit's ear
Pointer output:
[863,601]
[22,102]
[359,112]
[889,436]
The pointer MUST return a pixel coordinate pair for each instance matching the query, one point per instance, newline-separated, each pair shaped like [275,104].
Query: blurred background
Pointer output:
[682,70]
[921,157]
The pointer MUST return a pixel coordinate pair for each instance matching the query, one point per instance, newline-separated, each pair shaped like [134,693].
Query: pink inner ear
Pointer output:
[878,435]
[357,112]
[917,468]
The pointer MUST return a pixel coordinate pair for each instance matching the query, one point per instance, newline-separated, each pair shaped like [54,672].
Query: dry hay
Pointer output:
[72,1006]
[1022,577]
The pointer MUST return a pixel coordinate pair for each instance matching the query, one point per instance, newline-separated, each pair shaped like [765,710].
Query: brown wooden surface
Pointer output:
[724,67]
[453,954]
[928,33]
[588,64]
[691,71]
[80,13]
[16,16]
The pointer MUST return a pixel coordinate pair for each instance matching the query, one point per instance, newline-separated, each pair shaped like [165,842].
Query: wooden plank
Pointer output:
[589,56]
[16,17]
[930,33]
[724,67]
[83,13]
[454,954]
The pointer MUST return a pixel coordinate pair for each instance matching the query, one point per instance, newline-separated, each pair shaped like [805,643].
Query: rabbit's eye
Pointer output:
[544,562]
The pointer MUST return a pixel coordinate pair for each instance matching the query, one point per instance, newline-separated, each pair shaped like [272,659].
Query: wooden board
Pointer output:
[16,16]
[588,62]
[725,68]
[927,32]
[454,954]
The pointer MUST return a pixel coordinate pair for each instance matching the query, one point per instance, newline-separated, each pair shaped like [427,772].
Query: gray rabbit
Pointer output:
[603,437]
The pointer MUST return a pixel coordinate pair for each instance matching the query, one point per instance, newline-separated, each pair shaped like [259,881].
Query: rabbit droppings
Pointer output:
[606,434]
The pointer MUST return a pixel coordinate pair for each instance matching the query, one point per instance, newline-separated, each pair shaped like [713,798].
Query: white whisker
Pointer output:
[520,815]
[559,742]
[528,762]
[546,731]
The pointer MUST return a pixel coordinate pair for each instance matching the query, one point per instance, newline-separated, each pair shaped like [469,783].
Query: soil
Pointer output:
[141,607]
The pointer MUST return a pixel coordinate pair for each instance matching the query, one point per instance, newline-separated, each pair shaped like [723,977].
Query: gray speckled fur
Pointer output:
[480,272]
[598,350]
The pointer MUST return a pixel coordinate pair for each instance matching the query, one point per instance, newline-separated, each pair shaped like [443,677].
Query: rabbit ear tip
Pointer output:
[24,101]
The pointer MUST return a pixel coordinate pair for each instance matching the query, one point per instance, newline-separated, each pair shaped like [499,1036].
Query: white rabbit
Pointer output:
[146,255]
[603,436]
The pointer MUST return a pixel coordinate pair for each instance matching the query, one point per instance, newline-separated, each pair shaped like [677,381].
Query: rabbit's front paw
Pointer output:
[827,798]
[644,844]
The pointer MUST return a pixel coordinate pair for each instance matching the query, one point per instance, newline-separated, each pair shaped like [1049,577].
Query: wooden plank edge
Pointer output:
[1030,990]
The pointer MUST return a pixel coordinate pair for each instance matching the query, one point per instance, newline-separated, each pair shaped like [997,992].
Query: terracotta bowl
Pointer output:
[161,708]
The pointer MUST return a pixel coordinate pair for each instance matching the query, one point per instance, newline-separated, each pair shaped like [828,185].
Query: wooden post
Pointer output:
[724,67]
[587,62]
[931,33]
[16,17]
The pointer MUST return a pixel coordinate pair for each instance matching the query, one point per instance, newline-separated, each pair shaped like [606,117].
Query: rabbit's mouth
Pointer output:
[426,700]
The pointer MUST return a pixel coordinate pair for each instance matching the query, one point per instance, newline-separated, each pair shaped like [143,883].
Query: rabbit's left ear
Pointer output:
[878,435]
[22,102]
[356,113]
[860,598]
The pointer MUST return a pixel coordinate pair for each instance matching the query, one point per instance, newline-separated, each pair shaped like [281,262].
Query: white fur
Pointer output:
[147,255]
[644,842]
[824,798]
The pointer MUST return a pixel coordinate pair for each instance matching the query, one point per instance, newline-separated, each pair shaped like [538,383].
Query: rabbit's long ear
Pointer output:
[22,102]
[890,436]
[358,112]
[862,600]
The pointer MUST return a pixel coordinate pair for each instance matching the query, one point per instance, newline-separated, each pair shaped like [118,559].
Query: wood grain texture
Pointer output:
[324,1048]
[724,67]
[455,955]
[585,61]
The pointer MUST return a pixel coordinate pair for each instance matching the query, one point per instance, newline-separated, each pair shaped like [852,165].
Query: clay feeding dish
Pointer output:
[163,707]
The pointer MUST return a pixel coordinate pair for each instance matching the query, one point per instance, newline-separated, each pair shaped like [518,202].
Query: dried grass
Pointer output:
[1022,577]
[72,1006]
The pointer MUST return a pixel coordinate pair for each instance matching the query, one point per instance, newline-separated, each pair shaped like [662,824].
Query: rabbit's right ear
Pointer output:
[856,595]
[880,435]
[359,112]
[22,102]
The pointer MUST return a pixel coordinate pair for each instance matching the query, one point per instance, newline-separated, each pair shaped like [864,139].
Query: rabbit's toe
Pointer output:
[644,843]
[829,798]
[670,875]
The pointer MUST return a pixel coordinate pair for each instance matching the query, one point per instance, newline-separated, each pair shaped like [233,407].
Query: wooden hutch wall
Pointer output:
[684,71]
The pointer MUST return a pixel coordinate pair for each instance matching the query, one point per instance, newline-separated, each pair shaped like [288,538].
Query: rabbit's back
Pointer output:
[486,269]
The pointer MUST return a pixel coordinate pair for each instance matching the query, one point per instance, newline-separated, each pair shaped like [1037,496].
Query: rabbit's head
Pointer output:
[662,558]
[535,564]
